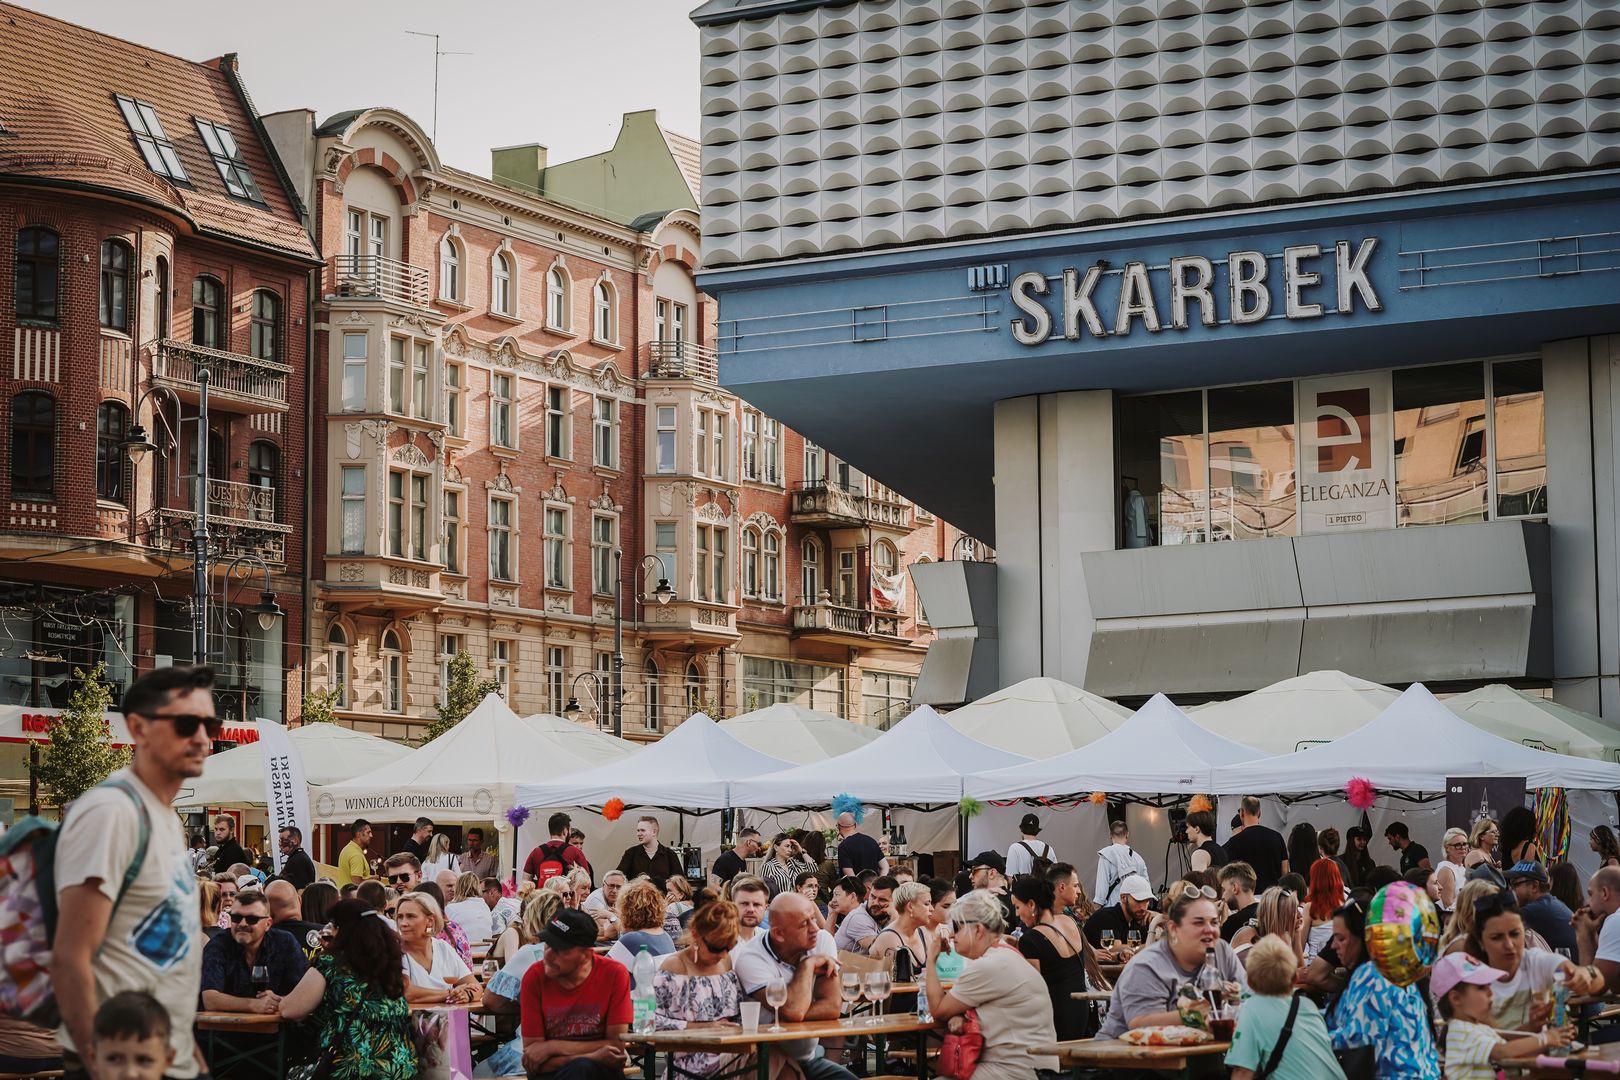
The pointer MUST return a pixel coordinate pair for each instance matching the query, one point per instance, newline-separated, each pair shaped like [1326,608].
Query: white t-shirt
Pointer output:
[447,968]
[755,962]
[432,868]
[473,916]
[154,940]
[503,914]
[1020,861]
[1512,999]
[1115,863]
[1449,869]
[1608,946]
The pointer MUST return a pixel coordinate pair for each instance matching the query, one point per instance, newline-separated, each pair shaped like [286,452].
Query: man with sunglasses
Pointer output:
[296,865]
[127,918]
[230,959]
[403,872]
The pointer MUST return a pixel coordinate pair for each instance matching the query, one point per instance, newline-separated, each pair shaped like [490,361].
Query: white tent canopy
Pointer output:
[1038,718]
[796,734]
[1535,721]
[330,753]
[1279,719]
[1159,750]
[470,773]
[547,724]
[922,760]
[1413,745]
[690,768]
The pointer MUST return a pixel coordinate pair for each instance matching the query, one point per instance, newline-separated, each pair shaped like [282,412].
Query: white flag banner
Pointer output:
[286,797]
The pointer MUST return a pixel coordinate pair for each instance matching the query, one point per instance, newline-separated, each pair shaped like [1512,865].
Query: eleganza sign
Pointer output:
[1167,297]
[1346,457]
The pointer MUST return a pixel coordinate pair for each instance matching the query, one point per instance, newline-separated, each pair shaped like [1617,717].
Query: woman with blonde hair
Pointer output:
[1482,840]
[697,988]
[538,909]
[208,899]
[439,858]
[501,995]
[1450,873]
[434,970]
[1455,935]
[468,910]
[1279,914]
[641,923]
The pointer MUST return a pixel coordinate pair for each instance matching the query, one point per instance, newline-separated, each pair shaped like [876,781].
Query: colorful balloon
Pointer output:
[1403,932]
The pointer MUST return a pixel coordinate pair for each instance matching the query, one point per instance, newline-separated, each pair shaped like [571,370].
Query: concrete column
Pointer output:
[1018,537]
[1572,513]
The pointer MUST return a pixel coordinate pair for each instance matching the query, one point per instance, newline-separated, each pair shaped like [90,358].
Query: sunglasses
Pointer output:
[1190,891]
[1494,904]
[251,920]
[397,879]
[186,724]
[388,911]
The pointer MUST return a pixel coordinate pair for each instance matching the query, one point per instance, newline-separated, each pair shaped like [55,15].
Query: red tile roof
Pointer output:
[60,122]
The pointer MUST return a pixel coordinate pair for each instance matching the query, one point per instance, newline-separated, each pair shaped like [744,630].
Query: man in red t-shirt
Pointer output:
[575,1005]
[544,860]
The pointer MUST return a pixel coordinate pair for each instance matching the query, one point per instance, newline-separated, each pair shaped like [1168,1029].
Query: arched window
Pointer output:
[654,720]
[771,583]
[694,688]
[264,466]
[265,342]
[115,260]
[393,673]
[606,326]
[500,284]
[33,445]
[160,304]
[557,298]
[449,269]
[208,312]
[810,571]
[750,566]
[337,663]
[112,424]
[38,273]
[885,558]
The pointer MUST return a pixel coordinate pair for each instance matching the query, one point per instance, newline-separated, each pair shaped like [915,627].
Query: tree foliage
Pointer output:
[320,706]
[80,753]
[461,696]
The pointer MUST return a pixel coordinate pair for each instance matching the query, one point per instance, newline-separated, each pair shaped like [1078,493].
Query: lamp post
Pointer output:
[572,710]
[663,594]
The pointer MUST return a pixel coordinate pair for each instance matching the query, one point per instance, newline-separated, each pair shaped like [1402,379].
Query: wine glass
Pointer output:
[849,989]
[1133,938]
[878,986]
[260,977]
[1108,940]
[490,968]
[776,997]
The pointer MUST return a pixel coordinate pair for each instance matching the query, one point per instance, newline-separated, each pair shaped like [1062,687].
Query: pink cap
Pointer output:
[1460,968]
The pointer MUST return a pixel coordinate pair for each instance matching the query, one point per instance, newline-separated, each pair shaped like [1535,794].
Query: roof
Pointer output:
[724,11]
[57,98]
[688,155]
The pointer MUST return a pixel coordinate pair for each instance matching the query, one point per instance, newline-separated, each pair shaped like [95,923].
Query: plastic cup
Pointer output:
[750,1015]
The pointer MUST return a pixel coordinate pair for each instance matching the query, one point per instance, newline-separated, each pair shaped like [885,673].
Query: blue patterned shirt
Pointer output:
[1393,1020]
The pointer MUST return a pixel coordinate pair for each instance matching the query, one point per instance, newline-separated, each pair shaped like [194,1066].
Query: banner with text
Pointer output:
[286,797]
[1346,457]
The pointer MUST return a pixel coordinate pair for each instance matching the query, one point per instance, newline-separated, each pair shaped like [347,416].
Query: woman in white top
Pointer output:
[1450,874]
[434,972]
[468,910]
[438,858]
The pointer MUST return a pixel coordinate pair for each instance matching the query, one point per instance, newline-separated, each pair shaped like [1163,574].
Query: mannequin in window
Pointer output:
[1138,533]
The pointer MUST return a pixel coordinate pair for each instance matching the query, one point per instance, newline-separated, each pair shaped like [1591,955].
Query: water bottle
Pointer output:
[643,1001]
[1210,987]
[1560,1009]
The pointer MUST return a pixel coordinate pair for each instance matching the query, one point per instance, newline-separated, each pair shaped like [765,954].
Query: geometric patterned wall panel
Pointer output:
[853,126]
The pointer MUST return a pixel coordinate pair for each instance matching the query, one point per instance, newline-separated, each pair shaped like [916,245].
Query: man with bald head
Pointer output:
[285,914]
[446,881]
[856,850]
[1597,931]
[801,955]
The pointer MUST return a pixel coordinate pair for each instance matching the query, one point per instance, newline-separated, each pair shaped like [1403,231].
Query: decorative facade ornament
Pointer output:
[397,575]
[763,521]
[452,620]
[349,572]
[413,321]
[452,473]
[436,437]
[453,590]
[556,493]
[354,318]
[420,579]
[711,511]
[558,604]
[410,454]
[503,596]
[502,482]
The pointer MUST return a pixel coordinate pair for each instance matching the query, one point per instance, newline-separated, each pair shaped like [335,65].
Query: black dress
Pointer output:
[1064,969]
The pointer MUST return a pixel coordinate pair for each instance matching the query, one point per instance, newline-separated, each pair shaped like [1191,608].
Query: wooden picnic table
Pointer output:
[1116,1054]
[741,1040]
[1529,1066]
[215,1024]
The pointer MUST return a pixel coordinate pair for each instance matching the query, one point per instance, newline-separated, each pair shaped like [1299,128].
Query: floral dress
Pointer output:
[367,1035]
[688,999]
[1393,1020]
[457,937]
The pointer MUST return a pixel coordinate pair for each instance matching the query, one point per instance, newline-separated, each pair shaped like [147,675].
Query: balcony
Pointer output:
[831,505]
[236,383]
[841,624]
[241,519]
[377,277]
[682,360]
[370,582]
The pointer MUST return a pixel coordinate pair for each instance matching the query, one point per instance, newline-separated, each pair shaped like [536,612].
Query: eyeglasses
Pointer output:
[1458,843]
[186,724]
[398,879]
[1190,891]
[251,920]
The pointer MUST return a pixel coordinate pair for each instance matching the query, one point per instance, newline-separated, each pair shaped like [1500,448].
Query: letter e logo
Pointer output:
[1343,430]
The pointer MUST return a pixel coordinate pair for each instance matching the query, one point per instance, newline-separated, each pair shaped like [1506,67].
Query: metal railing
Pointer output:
[229,374]
[843,619]
[682,360]
[378,276]
[234,503]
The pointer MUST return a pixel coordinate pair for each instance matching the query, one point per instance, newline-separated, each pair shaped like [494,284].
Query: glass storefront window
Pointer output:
[45,633]
[1162,470]
[1440,444]
[1251,462]
[1520,420]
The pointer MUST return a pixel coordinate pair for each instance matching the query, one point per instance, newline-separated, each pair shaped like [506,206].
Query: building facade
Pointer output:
[521,408]
[1258,337]
[151,236]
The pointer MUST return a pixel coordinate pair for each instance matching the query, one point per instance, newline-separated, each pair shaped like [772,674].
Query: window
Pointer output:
[669,322]
[353,501]
[452,530]
[885,697]
[718,458]
[767,682]
[33,445]
[393,673]
[711,563]
[377,237]
[604,538]
[694,687]
[396,375]
[701,563]
[500,538]
[500,284]
[500,411]
[419,516]
[354,233]
[847,594]
[556,679]
[112,423]
[419,379]
[449,646]
[664,418]
[556,550]
[354,372]
[750,445]
[263,476]
[37,274]
[396,513]
[337,663]
[1520,425]
[454,388]
[750,562]
[557,439]
[1440,473]
[115,285]
[771,583]
[154,145]
[605,328]
[500,661]
[664,548]
[885,560]
[770,447]
[233,168]
[449,269]
[161,302]
[700,465]
[1251,462]
[810,572]
[1162,470]
[607,433]
[557,298]
[208,313]
[815,463]
[264,339]
[654,711]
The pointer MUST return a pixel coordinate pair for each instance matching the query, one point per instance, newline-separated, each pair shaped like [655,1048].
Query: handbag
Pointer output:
[1357,1062]
[960,1054]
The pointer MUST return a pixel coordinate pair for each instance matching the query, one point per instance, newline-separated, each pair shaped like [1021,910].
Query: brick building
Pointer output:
[151,234]
[520,382]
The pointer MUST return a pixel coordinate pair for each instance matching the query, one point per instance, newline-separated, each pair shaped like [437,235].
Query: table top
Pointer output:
[235,1021]
[1092,995]
[1114,1051]
[1605,1052]
[707,1038]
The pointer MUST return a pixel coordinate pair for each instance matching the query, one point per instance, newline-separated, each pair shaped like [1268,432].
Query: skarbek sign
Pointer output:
[1187,283]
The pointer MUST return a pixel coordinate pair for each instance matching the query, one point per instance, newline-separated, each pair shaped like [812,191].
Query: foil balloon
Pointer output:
[1403,932]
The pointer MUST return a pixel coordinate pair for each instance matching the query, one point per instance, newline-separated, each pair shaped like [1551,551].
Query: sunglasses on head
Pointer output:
[1190,891]
[251,920]
[186,724]
[396,879]
[1493,904]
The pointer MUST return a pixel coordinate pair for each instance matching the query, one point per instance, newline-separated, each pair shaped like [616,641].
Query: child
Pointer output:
[1308,1055]
[132,1038]
[1462,989]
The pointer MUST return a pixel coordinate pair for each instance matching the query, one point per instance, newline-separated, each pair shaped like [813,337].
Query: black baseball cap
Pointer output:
[570,928]
[1030,825]
[991,859]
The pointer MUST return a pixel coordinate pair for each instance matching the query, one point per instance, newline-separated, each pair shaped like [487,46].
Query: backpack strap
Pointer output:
[1271,1063]
[141,844]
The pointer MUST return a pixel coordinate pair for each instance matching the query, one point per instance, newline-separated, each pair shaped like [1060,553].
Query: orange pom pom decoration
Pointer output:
[613,809]
[1200,804]
[1097,798]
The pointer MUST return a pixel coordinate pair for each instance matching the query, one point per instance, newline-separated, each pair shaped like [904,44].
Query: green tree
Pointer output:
[320,706]
[80,754]
[465,690]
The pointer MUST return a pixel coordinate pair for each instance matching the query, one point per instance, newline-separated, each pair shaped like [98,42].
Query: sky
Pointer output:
[557,72]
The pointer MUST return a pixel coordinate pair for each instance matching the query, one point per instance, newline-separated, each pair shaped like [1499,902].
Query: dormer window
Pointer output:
[233,168]
[149,136]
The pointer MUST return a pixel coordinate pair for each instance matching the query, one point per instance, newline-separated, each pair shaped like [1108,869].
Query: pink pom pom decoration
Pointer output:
[1361,793]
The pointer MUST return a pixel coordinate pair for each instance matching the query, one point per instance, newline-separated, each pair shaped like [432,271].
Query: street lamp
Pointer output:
[572,711]
[663,593]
